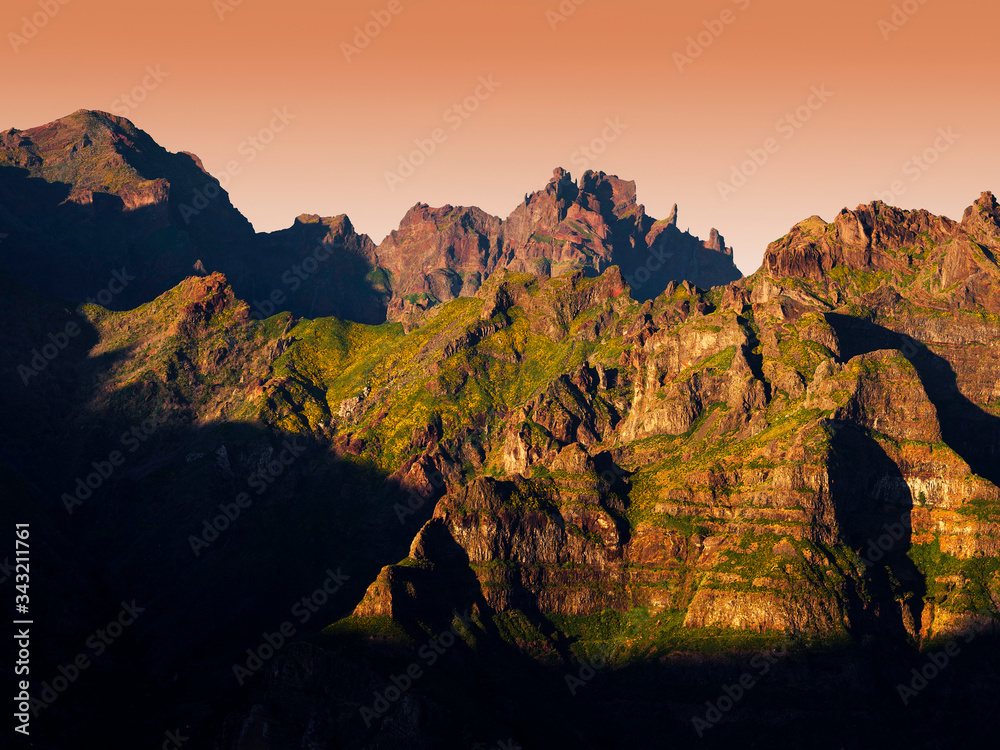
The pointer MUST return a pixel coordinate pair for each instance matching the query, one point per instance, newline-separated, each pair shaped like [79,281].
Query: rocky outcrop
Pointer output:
[528,545]
[437,255]
[937,261]
[319,266]
[598,222]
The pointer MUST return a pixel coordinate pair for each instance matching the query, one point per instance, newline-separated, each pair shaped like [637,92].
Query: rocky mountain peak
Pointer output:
[872,237]
[337,228]
[717,242]
[620,194]
[598,222]
[672,219]
[936,260]
[981,220]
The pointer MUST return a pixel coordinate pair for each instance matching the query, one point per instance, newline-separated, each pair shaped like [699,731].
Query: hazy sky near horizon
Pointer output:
[750,114]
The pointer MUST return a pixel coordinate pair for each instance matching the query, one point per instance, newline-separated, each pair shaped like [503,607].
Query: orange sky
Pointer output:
[686,129]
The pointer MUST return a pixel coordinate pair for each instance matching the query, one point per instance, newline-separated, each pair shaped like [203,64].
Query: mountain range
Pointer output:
[565,479]
[91,192]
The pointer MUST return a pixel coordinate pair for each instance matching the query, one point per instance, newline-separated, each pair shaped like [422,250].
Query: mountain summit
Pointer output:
[90,194]
[940,262]
[440,254]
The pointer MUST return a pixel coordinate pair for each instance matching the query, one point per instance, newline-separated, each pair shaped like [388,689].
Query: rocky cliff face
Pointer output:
[788,455]
[941,262]
[805,457]
[597,223]
[437,255]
